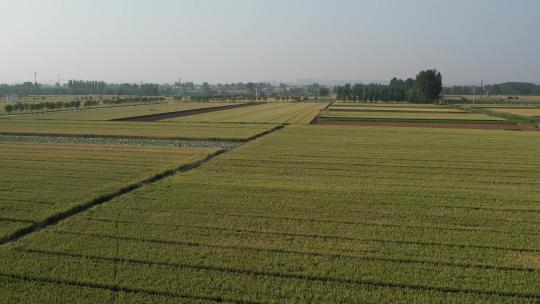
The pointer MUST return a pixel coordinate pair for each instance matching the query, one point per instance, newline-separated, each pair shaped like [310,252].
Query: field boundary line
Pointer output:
[54,219]
[122,136]
[358,256]
[334,237]
[116,288]
[315,119]
[263,133]
[315,278]
[217,139]
[367,223]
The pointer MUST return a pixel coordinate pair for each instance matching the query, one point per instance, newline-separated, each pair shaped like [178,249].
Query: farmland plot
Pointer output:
[41,180]
[163,130]
[400,109]
[414,116]
[109,113]
[310,214]
[520,111]
[277,112]
[494,99]
[383,105]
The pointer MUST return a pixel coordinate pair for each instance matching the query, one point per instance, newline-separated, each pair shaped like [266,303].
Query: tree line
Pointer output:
[506,88]
[240,97]
[77,103]
[81,87]
[425,88]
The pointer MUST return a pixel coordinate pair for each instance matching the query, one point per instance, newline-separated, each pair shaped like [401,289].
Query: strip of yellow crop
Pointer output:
[108,113]
[167,130]
[297,112]
[516,111]
[457,116]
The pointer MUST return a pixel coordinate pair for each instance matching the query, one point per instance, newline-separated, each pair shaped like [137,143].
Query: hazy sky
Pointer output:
[284,40]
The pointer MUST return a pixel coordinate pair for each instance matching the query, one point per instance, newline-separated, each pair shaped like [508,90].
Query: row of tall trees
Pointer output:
[425,88]
[77,103]
[251,90]
[76,87]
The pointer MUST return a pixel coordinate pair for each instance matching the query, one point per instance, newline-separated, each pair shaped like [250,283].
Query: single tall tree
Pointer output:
[427,86]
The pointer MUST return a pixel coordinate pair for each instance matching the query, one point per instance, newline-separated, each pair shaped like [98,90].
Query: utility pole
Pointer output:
[36,86]
[179,86]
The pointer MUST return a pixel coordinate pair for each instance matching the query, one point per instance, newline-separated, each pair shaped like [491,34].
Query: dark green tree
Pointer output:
[324,91]
[427,86]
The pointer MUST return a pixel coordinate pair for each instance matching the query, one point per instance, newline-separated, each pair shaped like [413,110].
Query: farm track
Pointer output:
[169,115]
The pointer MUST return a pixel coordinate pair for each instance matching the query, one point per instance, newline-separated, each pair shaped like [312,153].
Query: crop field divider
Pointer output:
[266,132]
[323,236]
[119,136]
[355,223]
[315,120]
[56,218]
[104,136]
[359,255]
[272,274]
[116,288]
